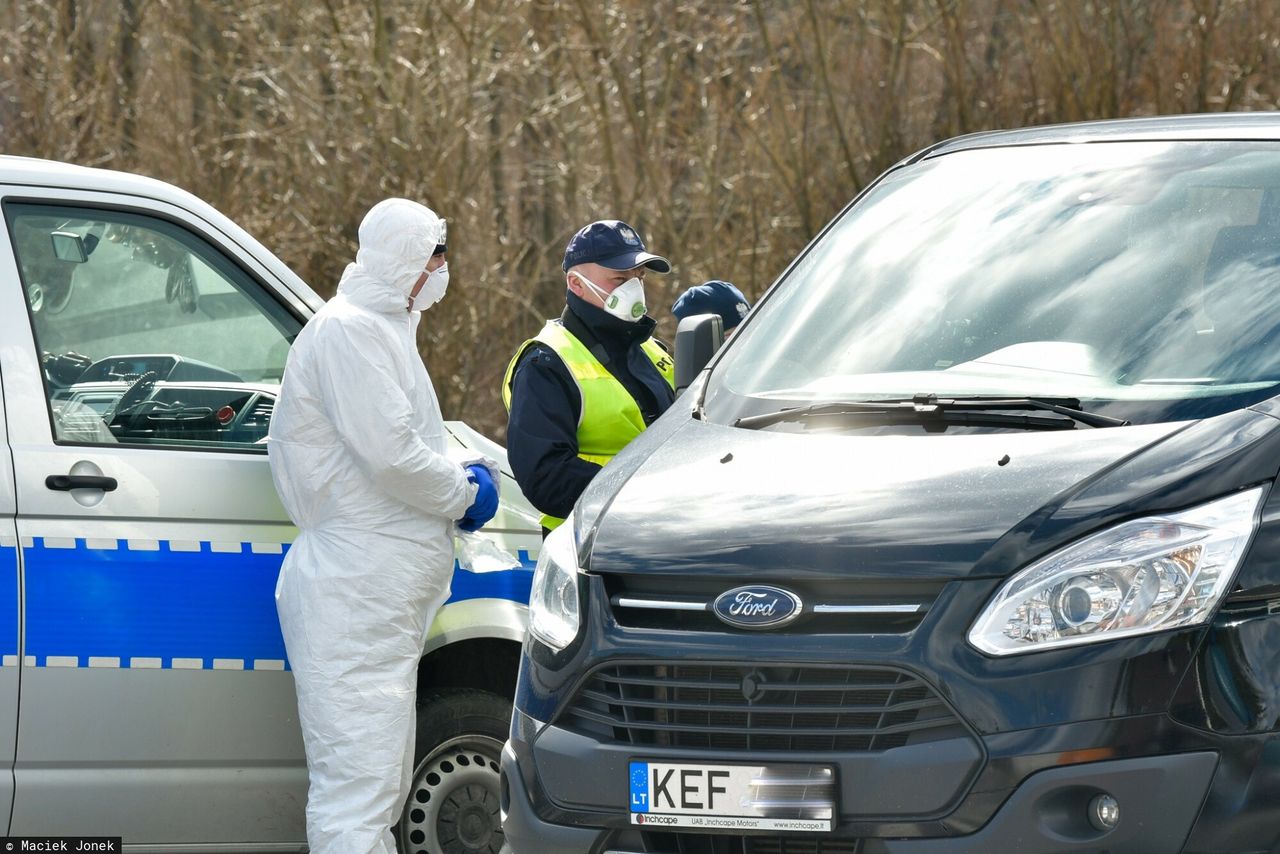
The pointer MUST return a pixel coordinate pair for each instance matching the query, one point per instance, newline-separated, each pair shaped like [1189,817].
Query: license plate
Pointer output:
[733,797]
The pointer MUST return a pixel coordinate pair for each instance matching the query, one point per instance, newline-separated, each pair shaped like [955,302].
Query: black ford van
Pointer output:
[968,541]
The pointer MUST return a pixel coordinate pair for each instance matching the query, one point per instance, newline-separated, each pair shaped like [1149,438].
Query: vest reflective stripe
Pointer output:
[609,417]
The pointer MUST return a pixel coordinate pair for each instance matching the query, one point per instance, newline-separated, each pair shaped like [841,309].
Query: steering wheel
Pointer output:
[134,395]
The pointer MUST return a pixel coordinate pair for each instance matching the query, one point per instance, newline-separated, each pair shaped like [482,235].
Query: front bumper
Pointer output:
[1139,718]
[1027,799]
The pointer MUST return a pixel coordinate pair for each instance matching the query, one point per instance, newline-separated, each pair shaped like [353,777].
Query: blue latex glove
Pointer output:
[486,503]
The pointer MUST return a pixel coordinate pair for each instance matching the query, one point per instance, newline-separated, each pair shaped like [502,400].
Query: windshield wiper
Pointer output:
[975,410]
[1068,406]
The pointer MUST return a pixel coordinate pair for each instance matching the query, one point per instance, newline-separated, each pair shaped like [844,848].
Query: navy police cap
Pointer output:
[614,244]
[713,297]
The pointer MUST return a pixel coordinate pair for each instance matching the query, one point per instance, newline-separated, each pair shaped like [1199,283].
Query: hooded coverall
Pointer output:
[358,455]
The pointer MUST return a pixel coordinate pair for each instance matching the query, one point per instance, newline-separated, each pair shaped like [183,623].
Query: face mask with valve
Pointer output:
[432,290]
[625,302]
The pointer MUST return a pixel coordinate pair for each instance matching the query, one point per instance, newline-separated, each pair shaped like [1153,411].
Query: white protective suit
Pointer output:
[358,455]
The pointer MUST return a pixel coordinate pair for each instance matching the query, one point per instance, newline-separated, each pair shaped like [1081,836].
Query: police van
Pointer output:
[144,689]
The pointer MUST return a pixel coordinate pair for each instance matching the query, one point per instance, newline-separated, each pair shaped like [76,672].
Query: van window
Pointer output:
[147,334]
[1141,278]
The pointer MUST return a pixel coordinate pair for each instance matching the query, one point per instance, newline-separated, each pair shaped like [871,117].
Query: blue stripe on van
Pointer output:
[125,603]
[8,600]
[163,604]
[512,584]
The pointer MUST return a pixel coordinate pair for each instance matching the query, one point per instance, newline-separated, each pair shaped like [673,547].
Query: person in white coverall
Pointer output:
[358,455]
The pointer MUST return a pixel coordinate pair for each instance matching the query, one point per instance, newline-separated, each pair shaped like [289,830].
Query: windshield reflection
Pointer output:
[1141,275]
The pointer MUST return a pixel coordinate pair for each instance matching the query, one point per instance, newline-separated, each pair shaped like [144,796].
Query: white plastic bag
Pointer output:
[478,553]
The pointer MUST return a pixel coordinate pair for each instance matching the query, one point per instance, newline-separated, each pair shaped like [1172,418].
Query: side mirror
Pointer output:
[69,246]
[697,340]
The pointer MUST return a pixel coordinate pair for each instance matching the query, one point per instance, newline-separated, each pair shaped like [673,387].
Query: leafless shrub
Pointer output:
[728,131]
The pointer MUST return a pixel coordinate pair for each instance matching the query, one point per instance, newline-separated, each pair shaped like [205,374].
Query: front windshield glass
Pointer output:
[1142,278]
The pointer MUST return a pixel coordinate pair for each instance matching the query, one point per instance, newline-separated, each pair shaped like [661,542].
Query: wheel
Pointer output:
[453,801]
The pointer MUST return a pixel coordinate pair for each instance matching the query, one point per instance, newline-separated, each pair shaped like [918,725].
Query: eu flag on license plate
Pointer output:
[639,786]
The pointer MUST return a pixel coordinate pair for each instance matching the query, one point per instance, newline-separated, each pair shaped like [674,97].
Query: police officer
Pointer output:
[592,379]
[713,297]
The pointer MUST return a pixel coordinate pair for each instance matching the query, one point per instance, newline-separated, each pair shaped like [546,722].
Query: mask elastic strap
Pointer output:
[595,289]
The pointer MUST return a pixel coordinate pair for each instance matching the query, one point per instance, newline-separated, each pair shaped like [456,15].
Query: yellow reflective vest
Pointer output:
[609,417]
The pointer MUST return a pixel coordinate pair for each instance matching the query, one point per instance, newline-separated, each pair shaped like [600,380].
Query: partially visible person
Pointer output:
[713,297]
[594,378]
[358,454]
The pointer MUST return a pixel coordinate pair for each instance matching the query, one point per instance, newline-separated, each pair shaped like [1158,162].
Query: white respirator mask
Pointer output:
[432,290]
[625,302]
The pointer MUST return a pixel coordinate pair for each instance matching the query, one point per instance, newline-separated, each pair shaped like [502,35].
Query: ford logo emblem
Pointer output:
[757,606]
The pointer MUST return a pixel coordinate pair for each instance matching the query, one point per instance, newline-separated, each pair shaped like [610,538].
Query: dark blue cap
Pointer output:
[714,297]
[614,244]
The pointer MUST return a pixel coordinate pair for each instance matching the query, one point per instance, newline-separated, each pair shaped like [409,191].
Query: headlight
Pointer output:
[553,602]
[1143,576]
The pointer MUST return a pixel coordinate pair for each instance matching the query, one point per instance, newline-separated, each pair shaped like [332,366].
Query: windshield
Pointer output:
[1142,279]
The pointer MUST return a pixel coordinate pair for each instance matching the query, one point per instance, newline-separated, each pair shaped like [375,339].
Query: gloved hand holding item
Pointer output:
[486,503]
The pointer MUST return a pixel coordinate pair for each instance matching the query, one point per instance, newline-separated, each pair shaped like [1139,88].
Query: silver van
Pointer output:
[144,688]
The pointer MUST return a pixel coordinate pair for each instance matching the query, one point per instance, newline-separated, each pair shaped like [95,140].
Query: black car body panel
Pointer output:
[866,510]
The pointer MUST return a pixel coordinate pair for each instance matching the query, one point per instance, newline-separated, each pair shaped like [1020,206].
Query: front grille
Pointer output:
[830,606]
[699,843]
[712,706]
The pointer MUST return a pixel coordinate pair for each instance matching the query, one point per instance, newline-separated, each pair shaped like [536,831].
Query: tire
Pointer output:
[453,801]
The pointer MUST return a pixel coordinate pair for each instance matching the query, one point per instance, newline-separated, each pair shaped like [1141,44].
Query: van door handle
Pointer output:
[67,482]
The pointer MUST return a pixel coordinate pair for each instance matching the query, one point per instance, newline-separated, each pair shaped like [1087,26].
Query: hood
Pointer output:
[397,238]
[712,499]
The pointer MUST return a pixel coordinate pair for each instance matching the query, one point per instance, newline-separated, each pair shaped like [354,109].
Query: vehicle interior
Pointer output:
[146,333]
